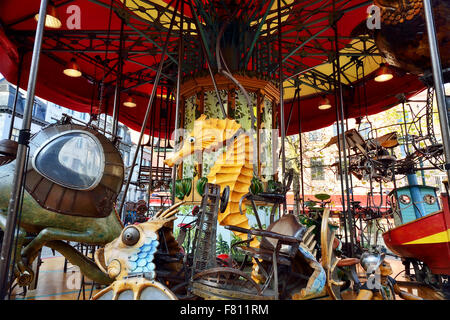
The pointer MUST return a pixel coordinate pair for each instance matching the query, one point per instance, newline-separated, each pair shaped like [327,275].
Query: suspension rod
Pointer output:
[177,99]
[17,186]
[438,83]
[149,109]
[280,78]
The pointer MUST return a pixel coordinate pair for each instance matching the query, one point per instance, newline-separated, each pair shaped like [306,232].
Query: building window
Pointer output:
[317,172]
[15,134]
[338,127]
[79,143]
[20,107]
[6,98]
[126,158]
[364,130]
[338,166]
[39,111]
[335,129]
[315,135]
[76,164]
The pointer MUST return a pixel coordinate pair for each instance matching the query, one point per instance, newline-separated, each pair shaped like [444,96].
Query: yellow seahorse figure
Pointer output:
[233,168]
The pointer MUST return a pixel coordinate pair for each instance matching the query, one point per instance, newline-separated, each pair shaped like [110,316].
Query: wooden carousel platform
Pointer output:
[55,284]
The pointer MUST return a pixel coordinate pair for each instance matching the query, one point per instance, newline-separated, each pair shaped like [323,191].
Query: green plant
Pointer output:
[221,245]
[185,210]
[201,185]
[179,190]
[312,221]
[256,187]
[274,186]
[189,236]
[187,186]
[183,188]
[235,253]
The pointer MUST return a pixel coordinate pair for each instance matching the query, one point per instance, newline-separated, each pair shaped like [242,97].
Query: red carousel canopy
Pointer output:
[96,39]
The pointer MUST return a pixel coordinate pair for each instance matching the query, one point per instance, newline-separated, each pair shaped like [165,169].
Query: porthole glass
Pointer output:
[74,160]
[405,199]
[429,199]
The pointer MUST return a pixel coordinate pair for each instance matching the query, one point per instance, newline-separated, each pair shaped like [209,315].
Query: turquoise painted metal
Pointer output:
[414,201]
[414,189]
[142,261]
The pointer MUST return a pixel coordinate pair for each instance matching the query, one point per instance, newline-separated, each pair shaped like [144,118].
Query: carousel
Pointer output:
[215,89]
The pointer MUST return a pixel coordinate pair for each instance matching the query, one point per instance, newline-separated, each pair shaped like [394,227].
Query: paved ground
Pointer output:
[54,284]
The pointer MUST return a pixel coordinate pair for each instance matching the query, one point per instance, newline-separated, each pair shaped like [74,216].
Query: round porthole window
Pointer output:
[429,199]
[73,160]
[74,170]
[404,199]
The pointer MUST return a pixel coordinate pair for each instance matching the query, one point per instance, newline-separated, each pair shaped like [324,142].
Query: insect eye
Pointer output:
[191,139]
[130,236]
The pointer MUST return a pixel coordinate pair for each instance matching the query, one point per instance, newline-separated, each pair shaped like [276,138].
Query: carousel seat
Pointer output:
[283,255]
[266,255]
[386,158]
[273,244]
[355,203]
[389,140]
[276,198]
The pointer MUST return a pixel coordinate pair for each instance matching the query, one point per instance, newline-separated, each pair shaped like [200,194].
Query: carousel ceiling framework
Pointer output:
[127,49]
[130,58]
[121,43]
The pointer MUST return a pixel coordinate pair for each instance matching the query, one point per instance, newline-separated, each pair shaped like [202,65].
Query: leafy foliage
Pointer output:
[235,253]
[221,245]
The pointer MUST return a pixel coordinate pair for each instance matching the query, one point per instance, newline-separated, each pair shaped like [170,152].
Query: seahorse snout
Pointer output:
[173,160]
[169,162]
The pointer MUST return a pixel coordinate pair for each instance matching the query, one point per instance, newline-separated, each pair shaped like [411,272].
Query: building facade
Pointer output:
[45,113]
[320,163]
